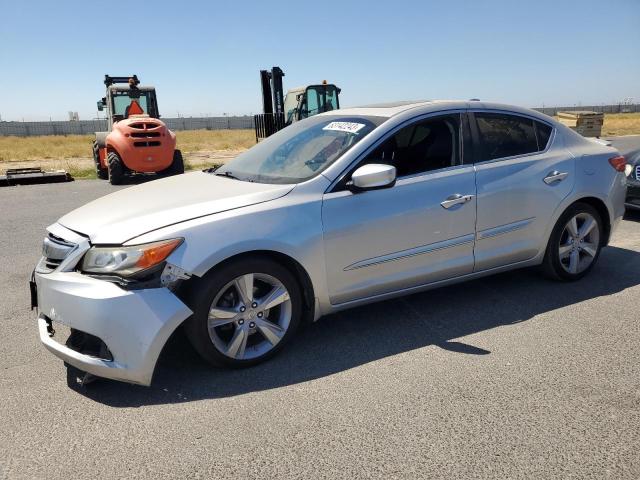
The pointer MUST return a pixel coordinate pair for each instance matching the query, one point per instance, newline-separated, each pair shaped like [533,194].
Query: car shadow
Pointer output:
[140,178]
[361,335]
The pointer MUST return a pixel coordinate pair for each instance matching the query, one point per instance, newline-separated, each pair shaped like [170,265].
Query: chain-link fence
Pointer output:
[84,127]
[619,108]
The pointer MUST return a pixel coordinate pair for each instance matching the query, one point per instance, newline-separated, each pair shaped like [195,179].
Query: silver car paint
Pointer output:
[115,218]
[390,239]
[355,248]
[134,325]
[514,203]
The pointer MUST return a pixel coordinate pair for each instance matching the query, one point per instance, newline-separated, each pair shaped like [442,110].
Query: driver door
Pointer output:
[386,240]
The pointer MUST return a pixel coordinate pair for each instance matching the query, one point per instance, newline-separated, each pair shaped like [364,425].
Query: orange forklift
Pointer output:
[136,140]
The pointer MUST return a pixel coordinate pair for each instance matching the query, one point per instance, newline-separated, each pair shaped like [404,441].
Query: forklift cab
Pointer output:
[304,102]
[280,110]
[122,101]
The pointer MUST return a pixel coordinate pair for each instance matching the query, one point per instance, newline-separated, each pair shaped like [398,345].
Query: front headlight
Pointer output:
[126,261]
[628,168]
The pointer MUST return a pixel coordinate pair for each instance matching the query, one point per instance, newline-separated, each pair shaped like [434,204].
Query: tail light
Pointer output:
[618,163]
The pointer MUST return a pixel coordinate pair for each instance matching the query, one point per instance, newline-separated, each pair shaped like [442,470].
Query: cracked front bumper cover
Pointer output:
[134,324]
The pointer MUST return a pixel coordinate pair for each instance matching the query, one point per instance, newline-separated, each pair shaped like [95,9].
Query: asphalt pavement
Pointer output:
[513,376]
[628,145]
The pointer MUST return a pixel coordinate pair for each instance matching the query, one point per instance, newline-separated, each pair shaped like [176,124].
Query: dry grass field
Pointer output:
[621,124]
[201,148]
[18,149]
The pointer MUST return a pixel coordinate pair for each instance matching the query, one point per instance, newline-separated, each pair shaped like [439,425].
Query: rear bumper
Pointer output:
[134,325]
[144,155]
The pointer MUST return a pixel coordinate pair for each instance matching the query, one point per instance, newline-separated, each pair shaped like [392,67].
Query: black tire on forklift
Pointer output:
[177,166]
[116,169]
[101,173]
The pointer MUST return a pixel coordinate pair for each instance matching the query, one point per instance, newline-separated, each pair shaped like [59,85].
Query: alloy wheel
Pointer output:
[579,243]
[249,316]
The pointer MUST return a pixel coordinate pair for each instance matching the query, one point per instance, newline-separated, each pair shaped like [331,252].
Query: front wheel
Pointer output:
[101,173]
[244,312]
[575,243]
[116,168]
[177,166]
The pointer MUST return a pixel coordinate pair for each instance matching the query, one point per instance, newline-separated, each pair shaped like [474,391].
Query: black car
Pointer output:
[633,183]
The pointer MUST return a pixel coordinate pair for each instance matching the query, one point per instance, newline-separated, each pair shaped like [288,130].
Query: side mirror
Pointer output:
[100,107]
[372,177]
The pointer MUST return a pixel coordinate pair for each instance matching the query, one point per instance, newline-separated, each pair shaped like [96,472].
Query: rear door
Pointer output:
[522,175]
[419,231]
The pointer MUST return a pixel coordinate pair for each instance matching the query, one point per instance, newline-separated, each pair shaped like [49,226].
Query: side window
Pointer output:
[313,102]
[423,146]
[543,132]
[503,135]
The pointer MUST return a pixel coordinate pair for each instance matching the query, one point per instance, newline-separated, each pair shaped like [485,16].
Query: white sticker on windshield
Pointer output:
[349,127]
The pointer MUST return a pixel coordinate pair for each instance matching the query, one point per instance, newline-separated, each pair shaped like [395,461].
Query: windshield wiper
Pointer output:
[226,174]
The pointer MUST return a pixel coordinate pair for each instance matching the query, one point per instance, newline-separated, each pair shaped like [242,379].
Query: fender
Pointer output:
[306,249]
[566,203]
[101,139]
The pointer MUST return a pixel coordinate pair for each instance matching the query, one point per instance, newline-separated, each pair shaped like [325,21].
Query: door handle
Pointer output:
[554,177]
[456,199]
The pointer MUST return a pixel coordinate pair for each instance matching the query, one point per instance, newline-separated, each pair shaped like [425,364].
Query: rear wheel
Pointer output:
[177,166]
[101,173]
[116,168]
[575,243]
[244,312]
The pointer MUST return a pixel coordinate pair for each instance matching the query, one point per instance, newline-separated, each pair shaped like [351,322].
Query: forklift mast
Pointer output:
[309,101]
[267,102]
[272,90]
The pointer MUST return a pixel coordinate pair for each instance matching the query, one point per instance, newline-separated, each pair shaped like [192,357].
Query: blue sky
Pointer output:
[204,56]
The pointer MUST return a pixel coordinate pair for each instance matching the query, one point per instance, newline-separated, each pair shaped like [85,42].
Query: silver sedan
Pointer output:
[348,207]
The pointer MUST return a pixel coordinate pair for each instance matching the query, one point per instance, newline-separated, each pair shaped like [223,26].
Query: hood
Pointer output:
[128,213]
[142,119]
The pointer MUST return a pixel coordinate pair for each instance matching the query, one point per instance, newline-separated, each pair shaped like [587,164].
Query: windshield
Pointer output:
[320,98]
[125,105]
[300,151]
[291,104]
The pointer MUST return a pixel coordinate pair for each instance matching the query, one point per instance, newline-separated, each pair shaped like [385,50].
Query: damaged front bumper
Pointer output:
[96,325]
[133,325]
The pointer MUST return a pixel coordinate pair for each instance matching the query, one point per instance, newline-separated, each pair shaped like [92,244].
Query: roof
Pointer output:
[426,106]
[393,108]
[118,87]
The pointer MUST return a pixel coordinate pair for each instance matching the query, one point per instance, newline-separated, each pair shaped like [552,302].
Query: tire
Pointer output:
[579,252]
[264,331]
[116,169]
[177,166]
[101,173]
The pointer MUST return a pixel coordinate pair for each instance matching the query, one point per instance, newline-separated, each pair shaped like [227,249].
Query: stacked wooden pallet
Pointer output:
[586,123]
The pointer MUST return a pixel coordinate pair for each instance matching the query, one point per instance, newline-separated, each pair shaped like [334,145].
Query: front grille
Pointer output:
[54,251]
[144,125]
[77,340]
[638,172]
[146,144]
[145,134]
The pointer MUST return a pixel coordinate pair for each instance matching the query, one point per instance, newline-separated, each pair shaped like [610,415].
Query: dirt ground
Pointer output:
[200,148]
[83,167]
